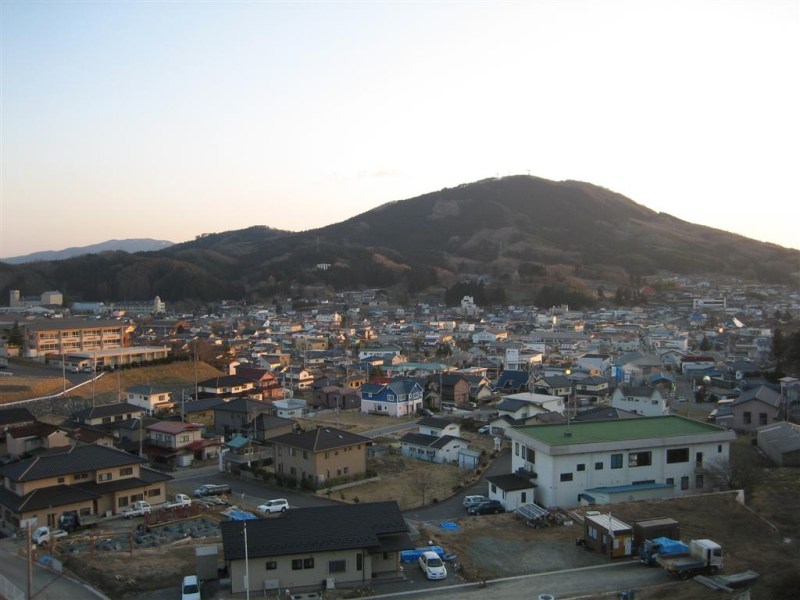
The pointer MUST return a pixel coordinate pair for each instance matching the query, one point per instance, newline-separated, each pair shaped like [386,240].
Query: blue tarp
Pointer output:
[450,526]
[407,556]
[668,546]
[241,515]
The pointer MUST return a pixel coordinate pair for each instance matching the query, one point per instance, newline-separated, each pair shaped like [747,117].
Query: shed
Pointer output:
[206,562]
[607,535]
[658,527]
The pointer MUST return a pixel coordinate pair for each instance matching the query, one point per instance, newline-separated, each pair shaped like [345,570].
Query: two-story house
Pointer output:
[320,455]
[226,386]
[13,417]
[643,400]
[436,440]
[753,408]
[236,416]
[149,398]
[397,398]
[176,443]
[90,480]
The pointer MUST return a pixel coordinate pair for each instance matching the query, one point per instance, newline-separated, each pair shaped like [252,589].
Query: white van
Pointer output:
[190,588]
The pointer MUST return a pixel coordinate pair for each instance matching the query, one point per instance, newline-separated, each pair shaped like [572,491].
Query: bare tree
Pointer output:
[423,483]
[733,474]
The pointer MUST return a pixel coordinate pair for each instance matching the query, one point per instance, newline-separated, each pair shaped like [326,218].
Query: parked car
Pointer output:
[484,429]
[432,565]
[425,412]
[490,507]
[137,509]
[44,535]
[473,500]
[212,489]
[275,505]
[190,588]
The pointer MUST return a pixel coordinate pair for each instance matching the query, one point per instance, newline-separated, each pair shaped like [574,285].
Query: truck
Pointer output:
[703,556]
[180,500]
[649,549]
[137,509]
[44,535]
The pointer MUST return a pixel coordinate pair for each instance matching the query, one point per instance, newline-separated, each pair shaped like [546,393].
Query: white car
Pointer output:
[273,506]
[432,565]
[190,588]
[484,429]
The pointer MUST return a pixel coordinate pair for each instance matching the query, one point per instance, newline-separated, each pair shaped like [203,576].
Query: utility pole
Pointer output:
[29,553]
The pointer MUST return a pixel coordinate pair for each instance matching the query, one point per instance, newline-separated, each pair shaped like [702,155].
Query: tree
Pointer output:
[15,337]
[423,483]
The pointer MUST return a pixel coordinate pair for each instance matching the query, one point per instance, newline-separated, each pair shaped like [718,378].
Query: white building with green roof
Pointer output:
[592,462]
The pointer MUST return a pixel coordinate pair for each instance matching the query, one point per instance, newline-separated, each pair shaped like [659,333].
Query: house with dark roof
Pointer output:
[105,414]
[33,438]
[265,380]
[321,455]
[396,398]
[149,398]
[511,490]
[754,408]
[225,386]
[343,545]
[90,480]
[175,443]
[13,417]
[781,443]
[512,382]
[437,440]
[201,412]
[236,416]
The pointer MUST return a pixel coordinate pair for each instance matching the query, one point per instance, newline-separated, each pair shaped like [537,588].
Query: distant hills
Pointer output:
[515,235]
[132,245]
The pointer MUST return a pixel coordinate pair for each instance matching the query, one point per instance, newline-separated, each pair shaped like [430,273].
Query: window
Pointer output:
[126,471]
[566,477]
[337,566]
[122,501]
[616,461]
[762,418]
[598,466]
[104,477]
[684,483]
[530,455]
[698,481]
[151,493]
[748,418]
[360,562]
[677,455]
[581,467]
[670,481]
[297,564]
[308,563]
[698,459]
[516,448]
[271,565]
[640,459]
[61,479]
[719,448]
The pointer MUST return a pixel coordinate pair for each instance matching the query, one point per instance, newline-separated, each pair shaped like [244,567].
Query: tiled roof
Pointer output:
[319,439]
[317,529]
[435,422]
[106,410]
[67,461]
[510,482]
[10,416]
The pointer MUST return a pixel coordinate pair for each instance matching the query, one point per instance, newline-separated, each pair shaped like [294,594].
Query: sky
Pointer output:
[168,120]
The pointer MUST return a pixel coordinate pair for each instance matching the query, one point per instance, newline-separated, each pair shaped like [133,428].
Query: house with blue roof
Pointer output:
[396,398]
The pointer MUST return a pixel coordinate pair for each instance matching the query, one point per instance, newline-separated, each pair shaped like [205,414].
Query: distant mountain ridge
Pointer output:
[129,245]
[517,234]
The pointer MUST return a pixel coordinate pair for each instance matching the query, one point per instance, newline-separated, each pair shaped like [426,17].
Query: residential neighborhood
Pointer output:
[591,408]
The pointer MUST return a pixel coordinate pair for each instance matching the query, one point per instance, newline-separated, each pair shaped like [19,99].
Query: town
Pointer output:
[345,445]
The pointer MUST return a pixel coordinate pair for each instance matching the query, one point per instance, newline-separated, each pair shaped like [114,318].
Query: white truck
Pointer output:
[180,500]
[44,535]
[704,556]
[137,509]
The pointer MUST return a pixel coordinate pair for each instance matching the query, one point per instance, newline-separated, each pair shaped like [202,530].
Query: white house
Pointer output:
[512,491]
[438,449]
[438,427]
[527,404]
[149,398]
[566,461]
[290,408]
[642,400]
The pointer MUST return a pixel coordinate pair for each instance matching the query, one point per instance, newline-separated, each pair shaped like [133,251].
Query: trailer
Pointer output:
[703,557]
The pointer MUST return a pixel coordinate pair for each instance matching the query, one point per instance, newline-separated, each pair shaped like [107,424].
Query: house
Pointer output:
[567,460]
[781,443]
[91,480]
[511,490]
[201,412]
[175,443]
[432,448]
[754,408]
[236,416]
[512,382]
[149,398]
[527,404]
[341,545]
[438,426]
[265,427]
[336,397]
[290,408]
[397,398]
[263,379]
[320,455]
[225,386]
[106,414]
[553,385]
[13,417]
[33,438]
[454,389]
[595,364]
[643,400]
[297,378]
[605,413]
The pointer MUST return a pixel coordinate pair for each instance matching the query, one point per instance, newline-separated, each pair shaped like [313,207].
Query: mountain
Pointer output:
[132,245]
[519,235]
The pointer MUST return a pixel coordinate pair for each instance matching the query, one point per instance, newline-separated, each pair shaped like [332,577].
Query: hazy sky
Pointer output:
[172,119]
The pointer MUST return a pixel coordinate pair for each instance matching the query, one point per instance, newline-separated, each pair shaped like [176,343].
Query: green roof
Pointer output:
[589,432]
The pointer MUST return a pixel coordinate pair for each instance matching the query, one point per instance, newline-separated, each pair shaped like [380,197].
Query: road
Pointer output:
[47,583]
